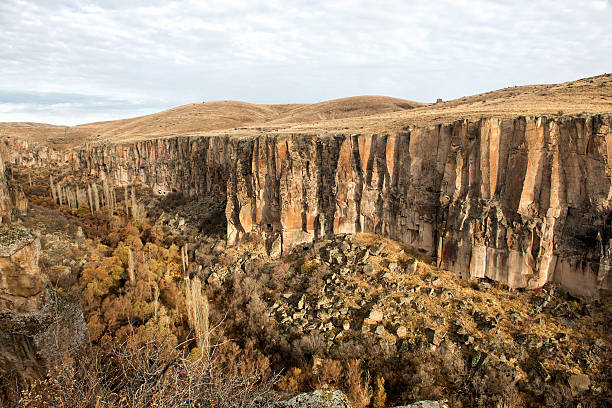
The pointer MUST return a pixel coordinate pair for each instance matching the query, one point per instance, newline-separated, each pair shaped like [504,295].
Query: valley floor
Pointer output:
[359,313]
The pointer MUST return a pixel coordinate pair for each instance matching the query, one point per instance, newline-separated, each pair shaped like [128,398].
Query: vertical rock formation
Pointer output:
[5,197]
[193,166]
[523,201]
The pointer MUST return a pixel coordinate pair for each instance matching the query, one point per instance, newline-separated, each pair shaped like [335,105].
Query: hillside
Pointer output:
[344,108]
[205,117]
[583,96]
[359,114]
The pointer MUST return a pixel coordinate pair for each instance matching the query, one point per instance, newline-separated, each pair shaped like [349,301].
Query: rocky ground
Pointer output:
[367,290]
[357,293]
[428,334]
[336,399]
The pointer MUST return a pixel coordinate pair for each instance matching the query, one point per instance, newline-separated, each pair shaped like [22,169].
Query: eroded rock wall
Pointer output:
[192,166]
[523,201]
[5,197]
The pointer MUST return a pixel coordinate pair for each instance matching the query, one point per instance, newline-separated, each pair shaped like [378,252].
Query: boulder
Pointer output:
[424,404]
[579,383]
[411,267]
[317,399]
[277,248]
[375,316]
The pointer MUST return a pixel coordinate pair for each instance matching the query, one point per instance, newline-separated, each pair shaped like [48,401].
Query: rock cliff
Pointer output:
[21,281]
[37,327]
[5,198]
[523,201]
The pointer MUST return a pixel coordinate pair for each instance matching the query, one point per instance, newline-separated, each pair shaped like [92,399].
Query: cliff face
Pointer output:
[5,198]
[21,282]
[522,201]
[188,165]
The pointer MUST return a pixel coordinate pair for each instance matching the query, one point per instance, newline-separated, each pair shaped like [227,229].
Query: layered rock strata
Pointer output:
[523,201]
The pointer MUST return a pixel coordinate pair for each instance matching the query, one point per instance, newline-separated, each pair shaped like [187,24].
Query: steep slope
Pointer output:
[523,201]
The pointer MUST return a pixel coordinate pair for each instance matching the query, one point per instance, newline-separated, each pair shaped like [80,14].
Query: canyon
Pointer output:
[523,201]
[361,221]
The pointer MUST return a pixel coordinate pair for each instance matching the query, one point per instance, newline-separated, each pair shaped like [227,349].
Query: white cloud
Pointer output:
[163,53]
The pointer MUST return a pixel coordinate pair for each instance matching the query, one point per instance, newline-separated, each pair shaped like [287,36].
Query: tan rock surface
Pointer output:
[21,281]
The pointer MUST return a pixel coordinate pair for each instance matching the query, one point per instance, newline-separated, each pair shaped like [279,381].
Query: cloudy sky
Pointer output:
[77,61]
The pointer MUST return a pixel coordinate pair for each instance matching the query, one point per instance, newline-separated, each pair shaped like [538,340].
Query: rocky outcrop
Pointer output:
[523,201]
[30,343]
[37,327]
[317,399]
[22,285]
[336,399]
[425,404]
[5,197]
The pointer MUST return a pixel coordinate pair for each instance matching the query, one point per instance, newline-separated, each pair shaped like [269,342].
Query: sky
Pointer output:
[67,62]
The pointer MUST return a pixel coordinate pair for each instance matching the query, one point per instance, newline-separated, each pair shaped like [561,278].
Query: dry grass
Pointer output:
[363,114]
[205,117]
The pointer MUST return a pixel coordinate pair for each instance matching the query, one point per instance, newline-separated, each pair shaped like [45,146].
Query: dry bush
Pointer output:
[146,370]
[291,381]
[316,278]
[330,375]
[379,398]
[358,391]
[307,346]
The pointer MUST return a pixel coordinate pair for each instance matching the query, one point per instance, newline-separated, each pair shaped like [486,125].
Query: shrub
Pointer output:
[380,397]
[146,370]
[358,391]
